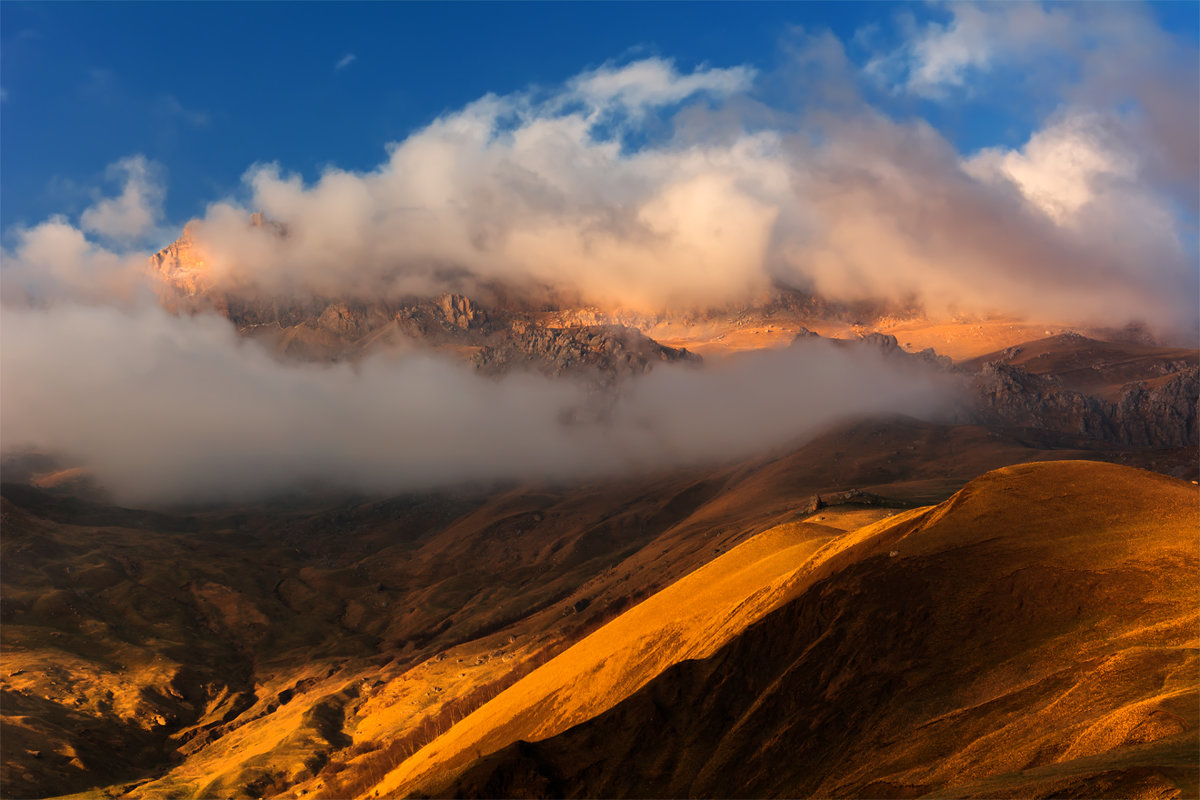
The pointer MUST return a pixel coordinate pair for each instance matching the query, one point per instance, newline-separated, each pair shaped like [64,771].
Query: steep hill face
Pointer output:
[689,619]
[1121,393]
[1034,634]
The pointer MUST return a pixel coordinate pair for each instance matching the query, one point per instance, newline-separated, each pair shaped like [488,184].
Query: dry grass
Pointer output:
[1035,634]
[689,619]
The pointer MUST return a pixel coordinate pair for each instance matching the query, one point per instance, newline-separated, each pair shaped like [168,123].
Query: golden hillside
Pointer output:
[1034,634]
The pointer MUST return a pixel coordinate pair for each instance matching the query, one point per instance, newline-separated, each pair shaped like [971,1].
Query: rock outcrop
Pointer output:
[460,312]
[1158,413]
[890,347]
[608,351]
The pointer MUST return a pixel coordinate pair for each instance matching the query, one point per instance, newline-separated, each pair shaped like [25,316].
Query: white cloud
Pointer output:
[1062,167]
[977,38]
[655,82]
[165,408]
[173,108]
[510,188]
[54,261]
[138,208]
[945,53]
[344,62]
[530,192]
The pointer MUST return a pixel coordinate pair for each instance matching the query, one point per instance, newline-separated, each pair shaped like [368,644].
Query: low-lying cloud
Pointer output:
[164,408]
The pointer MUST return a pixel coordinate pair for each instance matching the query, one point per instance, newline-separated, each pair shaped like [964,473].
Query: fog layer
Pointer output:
[163,408]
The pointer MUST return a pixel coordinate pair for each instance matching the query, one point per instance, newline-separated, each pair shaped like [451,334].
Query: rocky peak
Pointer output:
[460,312]
[260,220]
[181,265]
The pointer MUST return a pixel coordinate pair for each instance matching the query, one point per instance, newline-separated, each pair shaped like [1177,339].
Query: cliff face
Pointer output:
[1158,413]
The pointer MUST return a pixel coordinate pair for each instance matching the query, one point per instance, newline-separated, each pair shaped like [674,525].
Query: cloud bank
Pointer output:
[643,186]
[164,408]
[649,187]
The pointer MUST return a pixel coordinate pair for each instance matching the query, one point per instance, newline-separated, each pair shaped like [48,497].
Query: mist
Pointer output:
[164,409]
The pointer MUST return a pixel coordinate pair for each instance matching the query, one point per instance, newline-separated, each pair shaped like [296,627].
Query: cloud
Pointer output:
[902,215]
[637,185]
[519,189]
[1062,167]
[171,106]
[543,191]
[344,62]
[164,408]
[139,207]
[940,57]
[653,82]
[55,262]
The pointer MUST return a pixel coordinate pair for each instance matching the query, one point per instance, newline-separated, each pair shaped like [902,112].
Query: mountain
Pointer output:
[1121,393]
[260,649]
[1069,387]
[1034,635]
[736,628]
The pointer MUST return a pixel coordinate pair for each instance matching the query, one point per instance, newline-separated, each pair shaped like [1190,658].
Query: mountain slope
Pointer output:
[1036,633]
[382,618]
[689,619]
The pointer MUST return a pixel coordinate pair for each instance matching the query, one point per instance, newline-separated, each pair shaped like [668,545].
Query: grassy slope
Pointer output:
[689,619]
[1034,634]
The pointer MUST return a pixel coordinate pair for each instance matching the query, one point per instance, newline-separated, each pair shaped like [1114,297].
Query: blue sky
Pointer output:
[207,89]
[1026,157]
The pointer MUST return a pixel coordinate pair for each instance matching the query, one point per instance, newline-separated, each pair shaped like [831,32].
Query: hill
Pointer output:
[1033,634]
[247,651]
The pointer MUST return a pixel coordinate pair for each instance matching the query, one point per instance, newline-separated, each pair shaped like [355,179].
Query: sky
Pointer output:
[1033,160]
[208,89]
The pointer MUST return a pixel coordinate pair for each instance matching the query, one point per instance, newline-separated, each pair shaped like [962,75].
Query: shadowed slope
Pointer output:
[691,618]
[1034,634]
